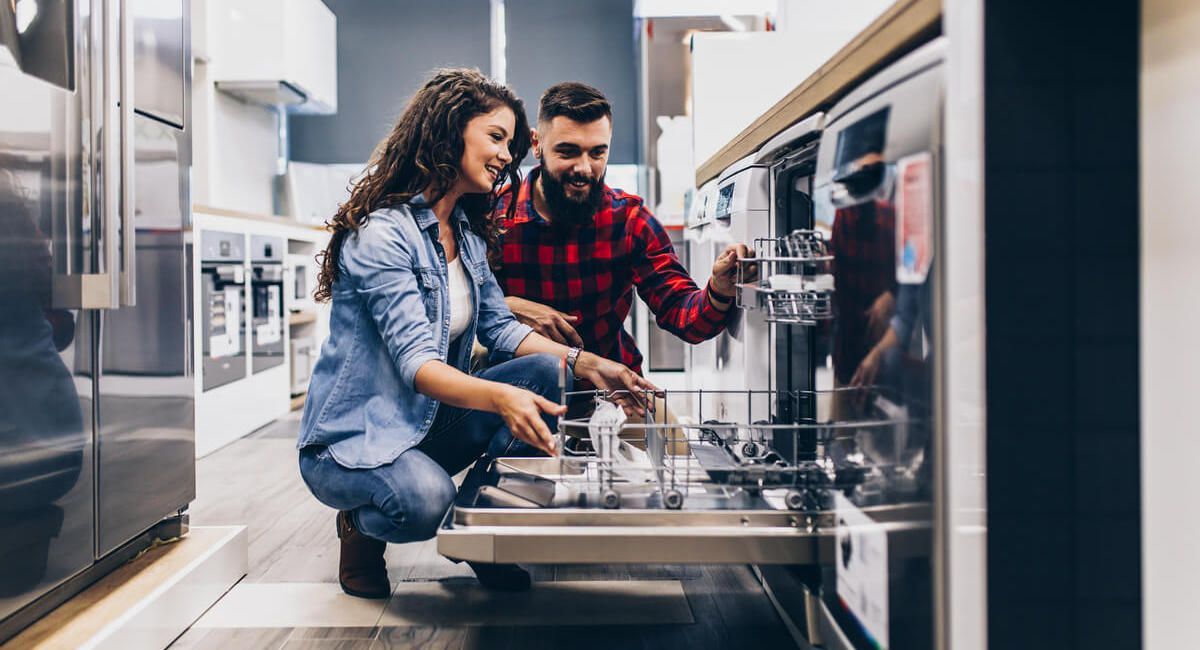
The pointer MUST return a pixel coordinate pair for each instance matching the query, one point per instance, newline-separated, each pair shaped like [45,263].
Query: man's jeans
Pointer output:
[406,500]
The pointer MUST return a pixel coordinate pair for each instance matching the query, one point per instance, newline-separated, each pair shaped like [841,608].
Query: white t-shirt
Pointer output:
[460,298]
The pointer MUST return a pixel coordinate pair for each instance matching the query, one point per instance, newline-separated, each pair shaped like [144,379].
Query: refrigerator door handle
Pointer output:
[82,289]
[128,270]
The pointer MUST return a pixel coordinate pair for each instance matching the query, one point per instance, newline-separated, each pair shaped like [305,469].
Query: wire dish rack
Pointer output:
[789,278]
[769,446]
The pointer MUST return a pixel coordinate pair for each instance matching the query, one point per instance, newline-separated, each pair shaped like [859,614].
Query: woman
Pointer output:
[392,413]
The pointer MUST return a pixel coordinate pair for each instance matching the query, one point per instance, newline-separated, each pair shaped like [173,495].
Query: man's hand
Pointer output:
[547,321]
[612,376]
[724,271]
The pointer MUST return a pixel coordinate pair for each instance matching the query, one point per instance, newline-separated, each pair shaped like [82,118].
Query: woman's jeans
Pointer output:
[406,500]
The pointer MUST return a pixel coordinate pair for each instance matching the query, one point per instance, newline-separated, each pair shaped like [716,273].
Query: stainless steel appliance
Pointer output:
[223,301]
[825,478]
[304,357]
[303,283]
[266,288]
[96,385]
[876,190]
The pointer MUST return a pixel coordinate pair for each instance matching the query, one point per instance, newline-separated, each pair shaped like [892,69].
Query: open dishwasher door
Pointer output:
[675,487]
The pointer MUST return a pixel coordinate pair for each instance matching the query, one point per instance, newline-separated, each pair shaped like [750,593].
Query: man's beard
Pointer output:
[566,212]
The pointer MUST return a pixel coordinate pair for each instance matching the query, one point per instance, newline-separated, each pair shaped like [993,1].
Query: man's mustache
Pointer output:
[578,178]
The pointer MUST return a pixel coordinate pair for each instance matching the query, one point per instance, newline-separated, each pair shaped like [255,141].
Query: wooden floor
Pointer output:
[255,482]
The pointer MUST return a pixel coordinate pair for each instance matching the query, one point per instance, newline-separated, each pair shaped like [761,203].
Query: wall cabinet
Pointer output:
[275,52]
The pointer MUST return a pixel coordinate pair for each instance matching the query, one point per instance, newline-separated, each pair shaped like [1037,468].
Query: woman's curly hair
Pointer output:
[424,151]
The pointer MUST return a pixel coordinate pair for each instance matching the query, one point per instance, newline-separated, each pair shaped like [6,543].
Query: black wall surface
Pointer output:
[386,50]
[570,40]
[1062,324]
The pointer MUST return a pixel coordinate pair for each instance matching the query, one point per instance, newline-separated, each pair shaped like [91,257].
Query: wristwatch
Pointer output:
[717,299]
[572,357]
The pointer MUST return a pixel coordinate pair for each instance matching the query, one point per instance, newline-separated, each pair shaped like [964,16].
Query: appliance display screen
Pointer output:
[865,136]
[724,199]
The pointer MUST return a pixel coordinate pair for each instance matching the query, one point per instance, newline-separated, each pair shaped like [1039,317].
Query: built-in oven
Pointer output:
[266,288]
[223,306]
[301,281]
[304,358]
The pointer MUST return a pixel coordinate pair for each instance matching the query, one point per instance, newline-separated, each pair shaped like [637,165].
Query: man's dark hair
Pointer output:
[574,100]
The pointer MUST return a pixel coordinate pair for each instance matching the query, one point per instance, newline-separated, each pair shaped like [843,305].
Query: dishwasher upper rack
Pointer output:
[789,278]
[734,460]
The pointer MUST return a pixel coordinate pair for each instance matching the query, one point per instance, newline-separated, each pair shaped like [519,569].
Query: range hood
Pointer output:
[276,94]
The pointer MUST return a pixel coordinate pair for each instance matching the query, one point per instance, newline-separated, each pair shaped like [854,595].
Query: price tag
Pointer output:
[862,569]
[914,218]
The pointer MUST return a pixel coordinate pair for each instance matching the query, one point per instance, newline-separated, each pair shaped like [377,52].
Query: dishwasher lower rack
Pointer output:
[706,531]
[764,443]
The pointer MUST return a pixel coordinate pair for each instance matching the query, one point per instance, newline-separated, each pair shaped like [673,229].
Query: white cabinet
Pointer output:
[275,51]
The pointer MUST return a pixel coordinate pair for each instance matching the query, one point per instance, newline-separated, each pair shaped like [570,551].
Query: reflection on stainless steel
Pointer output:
[46,471]
[45,424]
[70,354]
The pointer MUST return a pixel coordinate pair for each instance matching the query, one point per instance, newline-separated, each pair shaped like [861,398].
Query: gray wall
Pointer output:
[573,40]
[386,49]
[1063,412]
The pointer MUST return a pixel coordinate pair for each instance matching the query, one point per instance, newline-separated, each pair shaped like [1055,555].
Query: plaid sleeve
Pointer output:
[679,306]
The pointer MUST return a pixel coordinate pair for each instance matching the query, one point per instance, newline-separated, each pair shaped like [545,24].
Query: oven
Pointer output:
[304,353]
[301,281]
[266,287]
[223,303]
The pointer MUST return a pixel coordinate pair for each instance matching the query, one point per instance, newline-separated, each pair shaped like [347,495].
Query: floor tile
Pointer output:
[428,637]
[330,644]
[336,633]
[245,638]
[293,604]
[611,602]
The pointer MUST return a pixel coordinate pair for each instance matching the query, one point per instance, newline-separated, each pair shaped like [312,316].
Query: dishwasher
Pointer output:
[806,444]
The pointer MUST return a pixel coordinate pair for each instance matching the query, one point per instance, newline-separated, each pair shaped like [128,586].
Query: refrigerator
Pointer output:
[96,376]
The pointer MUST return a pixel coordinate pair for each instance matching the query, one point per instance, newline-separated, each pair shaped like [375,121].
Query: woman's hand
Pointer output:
[522,411]
[612,376]
[868,370]
[879,313]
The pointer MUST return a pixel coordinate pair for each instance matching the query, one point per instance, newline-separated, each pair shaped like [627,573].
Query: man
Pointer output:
[575,249]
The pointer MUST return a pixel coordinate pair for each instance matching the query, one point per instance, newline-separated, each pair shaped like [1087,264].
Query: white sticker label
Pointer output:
[914,218]
[225,340]
[272,330]
[862,569]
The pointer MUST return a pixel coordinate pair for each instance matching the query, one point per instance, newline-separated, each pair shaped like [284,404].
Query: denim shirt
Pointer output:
[390,316]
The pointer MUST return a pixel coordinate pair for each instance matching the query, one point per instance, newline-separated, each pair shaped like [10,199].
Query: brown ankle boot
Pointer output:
[362,570]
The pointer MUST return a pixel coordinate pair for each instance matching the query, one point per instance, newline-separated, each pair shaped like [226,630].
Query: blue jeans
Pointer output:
[405,501]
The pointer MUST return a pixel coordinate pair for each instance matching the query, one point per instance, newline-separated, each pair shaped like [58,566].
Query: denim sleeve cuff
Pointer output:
[413,362]
[509,338]
[902,331]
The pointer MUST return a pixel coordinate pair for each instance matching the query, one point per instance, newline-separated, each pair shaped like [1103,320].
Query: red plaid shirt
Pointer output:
[591,271]
[863,244]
